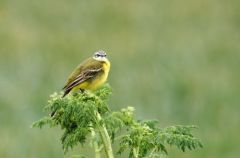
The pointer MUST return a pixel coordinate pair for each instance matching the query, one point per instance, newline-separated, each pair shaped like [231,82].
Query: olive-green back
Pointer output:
[89,63]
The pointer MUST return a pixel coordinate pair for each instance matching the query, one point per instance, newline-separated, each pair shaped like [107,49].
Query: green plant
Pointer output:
[87,115]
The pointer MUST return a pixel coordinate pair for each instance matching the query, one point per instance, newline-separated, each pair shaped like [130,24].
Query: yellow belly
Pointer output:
[97,82]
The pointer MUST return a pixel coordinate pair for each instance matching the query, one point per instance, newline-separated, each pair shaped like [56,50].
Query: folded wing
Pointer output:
[85,75]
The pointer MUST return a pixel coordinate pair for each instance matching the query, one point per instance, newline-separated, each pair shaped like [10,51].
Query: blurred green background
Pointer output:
[176,61]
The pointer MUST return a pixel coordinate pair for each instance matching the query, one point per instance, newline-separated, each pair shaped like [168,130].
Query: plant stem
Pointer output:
[135,152]
[105,136]
[152,152]
[95,144]
[136,149]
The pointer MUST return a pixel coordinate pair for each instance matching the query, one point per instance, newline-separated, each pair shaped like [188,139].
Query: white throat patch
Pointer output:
[100,58]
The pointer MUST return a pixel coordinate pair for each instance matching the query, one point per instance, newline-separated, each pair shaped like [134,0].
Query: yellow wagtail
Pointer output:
[88,75]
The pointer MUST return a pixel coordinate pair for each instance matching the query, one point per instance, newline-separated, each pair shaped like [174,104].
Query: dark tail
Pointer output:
[53,113]
[66,91]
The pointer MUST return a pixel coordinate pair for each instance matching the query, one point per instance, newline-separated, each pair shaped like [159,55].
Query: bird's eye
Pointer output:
[97,55]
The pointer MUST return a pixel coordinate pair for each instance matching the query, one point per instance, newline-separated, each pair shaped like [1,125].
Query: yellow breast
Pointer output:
[102,78]
[98,81]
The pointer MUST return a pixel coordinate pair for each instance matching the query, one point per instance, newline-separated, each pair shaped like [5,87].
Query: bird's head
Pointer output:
[100,56]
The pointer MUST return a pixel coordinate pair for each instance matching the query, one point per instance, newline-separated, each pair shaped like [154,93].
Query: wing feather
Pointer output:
[83,77]
[82,74]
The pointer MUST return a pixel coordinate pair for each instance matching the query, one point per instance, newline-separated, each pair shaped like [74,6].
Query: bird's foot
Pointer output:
[82,90]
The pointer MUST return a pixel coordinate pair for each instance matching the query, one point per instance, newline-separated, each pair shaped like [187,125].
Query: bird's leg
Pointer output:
[81,90]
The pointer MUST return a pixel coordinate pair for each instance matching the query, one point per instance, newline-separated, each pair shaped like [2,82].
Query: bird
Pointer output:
[89,75]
